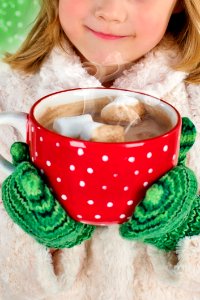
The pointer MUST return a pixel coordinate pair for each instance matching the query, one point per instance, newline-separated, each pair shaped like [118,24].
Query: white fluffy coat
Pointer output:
[107,267]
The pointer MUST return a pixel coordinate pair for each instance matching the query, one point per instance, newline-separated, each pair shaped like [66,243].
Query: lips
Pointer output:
[106,36]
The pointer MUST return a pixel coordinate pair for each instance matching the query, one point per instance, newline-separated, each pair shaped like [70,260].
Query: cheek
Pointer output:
[152,29]
[70,12]
[70,7]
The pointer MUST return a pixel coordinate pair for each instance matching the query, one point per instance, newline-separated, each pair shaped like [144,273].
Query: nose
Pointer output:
[111,10]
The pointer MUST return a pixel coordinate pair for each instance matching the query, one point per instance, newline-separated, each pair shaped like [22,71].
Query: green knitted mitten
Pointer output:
[30,203]
[171,207]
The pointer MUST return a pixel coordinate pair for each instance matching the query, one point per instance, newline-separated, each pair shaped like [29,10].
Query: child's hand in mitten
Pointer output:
[30,203]
[171,207]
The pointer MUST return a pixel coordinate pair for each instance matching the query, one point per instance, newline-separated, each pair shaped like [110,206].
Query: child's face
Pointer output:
[131,27]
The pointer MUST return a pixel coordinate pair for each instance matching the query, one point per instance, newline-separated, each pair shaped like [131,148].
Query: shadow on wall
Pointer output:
[16,17]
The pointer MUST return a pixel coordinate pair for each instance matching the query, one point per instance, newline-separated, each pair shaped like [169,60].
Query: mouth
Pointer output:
[106,36]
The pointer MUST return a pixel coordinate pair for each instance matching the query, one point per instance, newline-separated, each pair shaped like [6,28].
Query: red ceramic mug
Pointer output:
[96,183]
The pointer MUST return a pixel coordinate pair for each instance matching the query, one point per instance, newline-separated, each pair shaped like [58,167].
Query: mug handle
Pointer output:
[17,120]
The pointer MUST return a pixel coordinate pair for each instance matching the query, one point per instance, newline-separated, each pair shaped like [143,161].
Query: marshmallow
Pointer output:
[71,126]
[85,128]
[123,110]
[98,132]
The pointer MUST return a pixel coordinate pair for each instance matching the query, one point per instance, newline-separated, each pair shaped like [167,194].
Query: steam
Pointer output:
[110,68]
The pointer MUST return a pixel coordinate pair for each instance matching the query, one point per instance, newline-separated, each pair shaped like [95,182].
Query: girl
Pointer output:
[147,45]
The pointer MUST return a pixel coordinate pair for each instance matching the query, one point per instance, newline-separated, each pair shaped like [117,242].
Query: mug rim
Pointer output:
[70,139]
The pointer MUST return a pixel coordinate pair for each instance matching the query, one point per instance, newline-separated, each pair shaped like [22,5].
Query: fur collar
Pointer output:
[153,73]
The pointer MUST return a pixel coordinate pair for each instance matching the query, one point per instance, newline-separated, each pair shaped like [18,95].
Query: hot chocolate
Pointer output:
[107,119]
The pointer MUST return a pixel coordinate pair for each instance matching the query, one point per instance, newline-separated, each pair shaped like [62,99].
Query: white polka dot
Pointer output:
[174,157]
[115,175]
[38,128]
[80,152]
[130,202]
[64,197]
[126,188]
[58,179]
[145,183]
[122,216]
[72,167]
[149,154]
[109,204]
[32,158]
[90,170]
[165,148]
[97,217]
[32,129]
[82,183]
[105,158]
[79,216]
[41,139]
[36,154]
[150,171]
[48,163]
[57,144]
[104,187]
[90,202]
[131,159]
[136,172]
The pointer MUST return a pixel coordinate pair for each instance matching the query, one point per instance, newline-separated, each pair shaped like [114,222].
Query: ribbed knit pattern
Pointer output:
[188,227]
[170,209]
[31,205]
[187,140]
[163,211]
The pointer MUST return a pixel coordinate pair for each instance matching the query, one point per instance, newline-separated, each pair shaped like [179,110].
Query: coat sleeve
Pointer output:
[181,268]
[27,269]
[8,94]
[194,105]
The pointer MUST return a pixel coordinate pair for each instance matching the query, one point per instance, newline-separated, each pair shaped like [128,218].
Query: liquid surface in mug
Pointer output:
[135,121]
